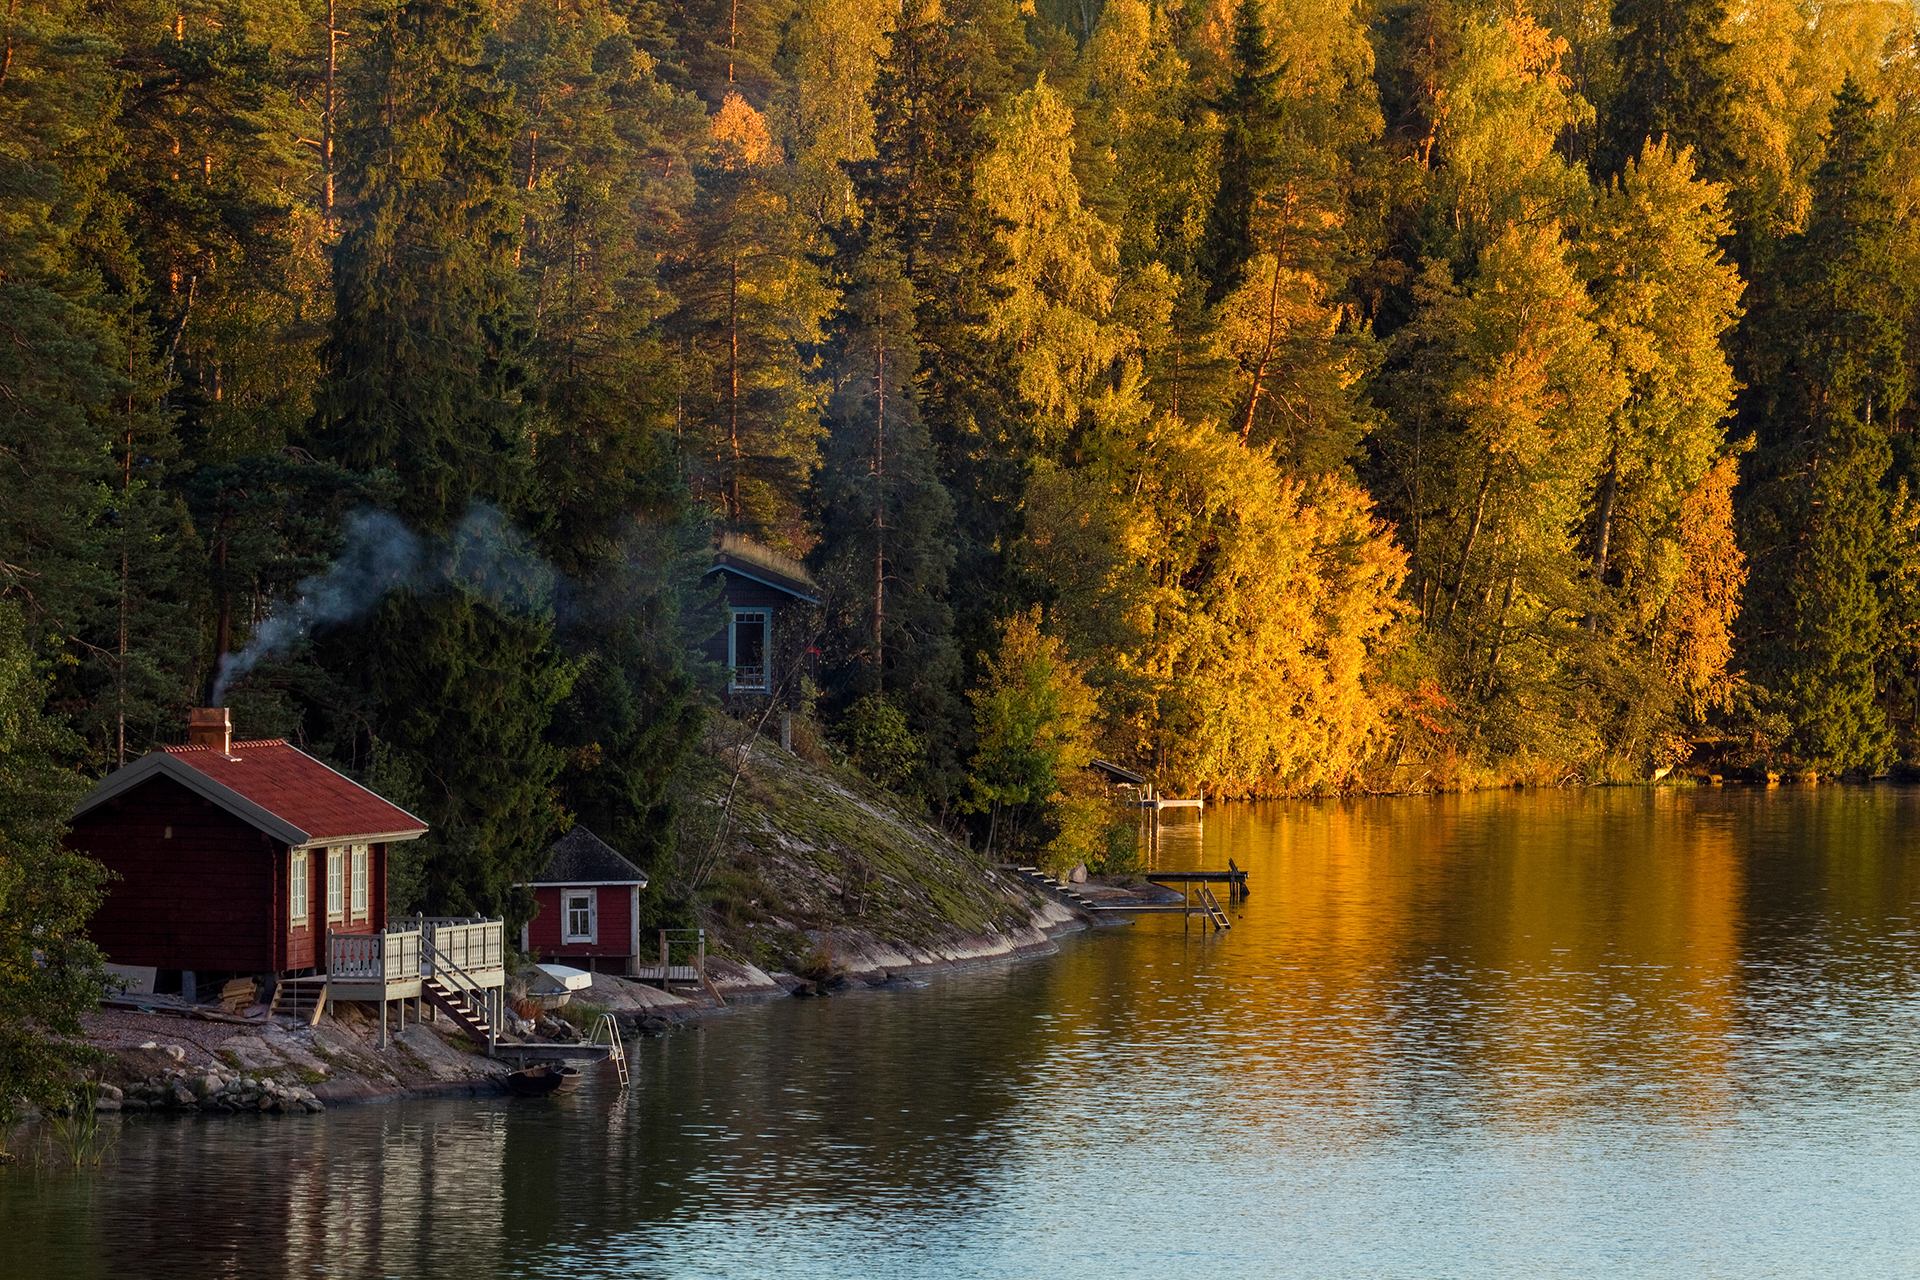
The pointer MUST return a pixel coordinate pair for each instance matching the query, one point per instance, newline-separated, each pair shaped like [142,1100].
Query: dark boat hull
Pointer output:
[538,1082]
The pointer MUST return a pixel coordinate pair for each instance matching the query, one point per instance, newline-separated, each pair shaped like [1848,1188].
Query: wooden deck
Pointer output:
[458,964]
[692,946]
[665,973]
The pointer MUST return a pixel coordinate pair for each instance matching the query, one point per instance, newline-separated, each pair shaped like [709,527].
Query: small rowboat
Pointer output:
[538,1082]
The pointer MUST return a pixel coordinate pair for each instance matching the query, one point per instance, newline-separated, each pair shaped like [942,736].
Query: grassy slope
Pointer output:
[813,848]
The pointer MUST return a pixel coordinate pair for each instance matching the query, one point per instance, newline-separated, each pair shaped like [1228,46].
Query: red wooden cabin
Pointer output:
[588,912]
[235,857]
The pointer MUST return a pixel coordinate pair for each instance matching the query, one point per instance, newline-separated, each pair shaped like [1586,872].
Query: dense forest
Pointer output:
[1275,396]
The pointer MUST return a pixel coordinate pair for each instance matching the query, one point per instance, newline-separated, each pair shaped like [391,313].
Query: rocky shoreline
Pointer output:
[173,1061]
[838,886]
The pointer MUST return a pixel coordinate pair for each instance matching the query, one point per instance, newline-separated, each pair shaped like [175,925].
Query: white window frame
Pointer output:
[299,880]
[358,887]
[592,936]
[336,884]
[765,618]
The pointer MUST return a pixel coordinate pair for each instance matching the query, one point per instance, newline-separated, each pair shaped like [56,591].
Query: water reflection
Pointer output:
[1623,1032]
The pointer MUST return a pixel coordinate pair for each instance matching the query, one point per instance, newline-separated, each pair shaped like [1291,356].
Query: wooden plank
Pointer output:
[1194,877]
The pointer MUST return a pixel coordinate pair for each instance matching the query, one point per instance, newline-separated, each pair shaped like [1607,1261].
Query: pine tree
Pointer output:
[730,46]
[602,162]
[1816,517]
[751,301]
[886,523]
[945,66]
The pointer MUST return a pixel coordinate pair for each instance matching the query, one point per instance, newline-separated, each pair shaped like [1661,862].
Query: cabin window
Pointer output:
[749,644]
[359,882]
[297,888]
[580,914]
[336,884]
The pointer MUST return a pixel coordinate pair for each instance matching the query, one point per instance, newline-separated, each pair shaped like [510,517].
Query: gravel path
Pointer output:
[129,1028]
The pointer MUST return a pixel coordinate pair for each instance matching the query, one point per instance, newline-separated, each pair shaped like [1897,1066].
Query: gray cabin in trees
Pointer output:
[768,603]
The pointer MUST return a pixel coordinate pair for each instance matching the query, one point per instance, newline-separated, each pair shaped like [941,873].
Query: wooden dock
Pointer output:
[1191,904]
[1234,878]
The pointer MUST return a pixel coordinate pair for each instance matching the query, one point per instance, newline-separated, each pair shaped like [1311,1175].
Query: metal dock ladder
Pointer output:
[616,1052]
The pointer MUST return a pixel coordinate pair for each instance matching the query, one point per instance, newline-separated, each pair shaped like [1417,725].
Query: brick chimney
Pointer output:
[210,727]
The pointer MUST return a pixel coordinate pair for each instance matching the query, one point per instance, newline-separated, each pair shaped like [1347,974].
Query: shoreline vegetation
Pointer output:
[1269,397]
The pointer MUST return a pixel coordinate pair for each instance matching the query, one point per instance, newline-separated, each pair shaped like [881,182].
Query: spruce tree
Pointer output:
[1673,84]
[425,362]
[1816,511]
[49,973]
[425,357]
[1250,109]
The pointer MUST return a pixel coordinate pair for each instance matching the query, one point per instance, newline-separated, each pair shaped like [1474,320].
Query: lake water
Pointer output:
[1606,1033]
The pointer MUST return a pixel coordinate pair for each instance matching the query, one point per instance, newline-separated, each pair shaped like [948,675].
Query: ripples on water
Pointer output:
[1622,1033]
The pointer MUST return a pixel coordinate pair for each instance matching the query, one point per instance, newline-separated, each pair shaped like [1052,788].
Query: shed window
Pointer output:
[580,915]
[297,888]
[749,642]
[359,882]
[336,884]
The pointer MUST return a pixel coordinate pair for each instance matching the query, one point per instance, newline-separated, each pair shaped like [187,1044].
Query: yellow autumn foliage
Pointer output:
[1240,612]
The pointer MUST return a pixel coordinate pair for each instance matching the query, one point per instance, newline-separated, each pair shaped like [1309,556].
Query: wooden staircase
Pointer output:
[454,1003]
[302,998]
[1058,888]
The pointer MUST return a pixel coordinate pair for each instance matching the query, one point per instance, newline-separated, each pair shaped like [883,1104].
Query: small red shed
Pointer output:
[588,905]
[235,857]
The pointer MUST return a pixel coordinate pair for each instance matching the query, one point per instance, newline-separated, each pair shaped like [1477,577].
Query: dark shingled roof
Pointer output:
[581,857]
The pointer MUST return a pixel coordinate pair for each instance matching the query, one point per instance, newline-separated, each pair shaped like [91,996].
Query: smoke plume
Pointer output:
[484,554]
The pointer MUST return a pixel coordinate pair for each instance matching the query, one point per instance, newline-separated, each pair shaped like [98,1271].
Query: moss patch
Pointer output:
[812,847]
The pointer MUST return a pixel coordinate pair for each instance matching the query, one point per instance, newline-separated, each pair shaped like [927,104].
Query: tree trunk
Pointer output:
[733,387]
[223,624]
[326,119]
[1266,352]
[1473,532]
[1603,532]
[880,510]
[733,36]
[1500,631]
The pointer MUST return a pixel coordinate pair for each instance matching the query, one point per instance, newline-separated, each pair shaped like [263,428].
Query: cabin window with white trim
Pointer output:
[359,882]
[336,884]
[580,915]
[749,647]
[297,888]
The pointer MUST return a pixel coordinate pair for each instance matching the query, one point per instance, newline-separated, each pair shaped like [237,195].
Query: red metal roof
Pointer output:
[299,790]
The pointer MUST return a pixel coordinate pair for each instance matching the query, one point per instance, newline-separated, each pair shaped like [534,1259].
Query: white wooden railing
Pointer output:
[421,947]
[467,944]
[476,948]
[393,956]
